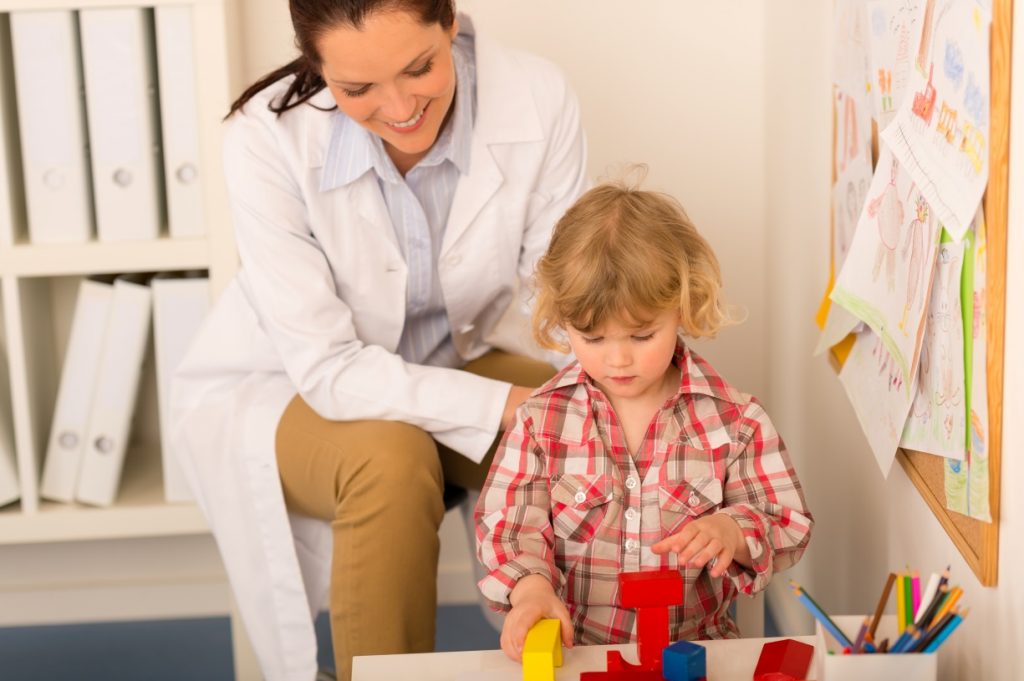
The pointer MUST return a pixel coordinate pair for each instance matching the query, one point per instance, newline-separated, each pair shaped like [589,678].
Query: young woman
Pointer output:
[391,188]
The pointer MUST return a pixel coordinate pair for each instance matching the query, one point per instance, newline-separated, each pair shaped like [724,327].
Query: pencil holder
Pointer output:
[898,666]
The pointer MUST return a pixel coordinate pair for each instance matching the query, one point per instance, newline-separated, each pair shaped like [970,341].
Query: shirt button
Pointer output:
[630,482]
[580,497]
[693,500]
[630,513]
[631,545]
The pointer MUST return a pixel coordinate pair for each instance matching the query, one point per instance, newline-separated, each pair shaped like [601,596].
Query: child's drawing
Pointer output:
[848,196]
[895,29]
[881,397]
[941,138]
[937,417]
[967,481]
[886,279]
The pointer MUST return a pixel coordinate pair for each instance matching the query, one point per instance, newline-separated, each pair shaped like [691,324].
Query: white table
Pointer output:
[727,660]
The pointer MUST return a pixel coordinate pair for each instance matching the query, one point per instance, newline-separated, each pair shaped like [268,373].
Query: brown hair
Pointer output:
[623,253]
[311,19]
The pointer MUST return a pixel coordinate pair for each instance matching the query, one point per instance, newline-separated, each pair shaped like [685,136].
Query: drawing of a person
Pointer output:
[915,243]
[888,209]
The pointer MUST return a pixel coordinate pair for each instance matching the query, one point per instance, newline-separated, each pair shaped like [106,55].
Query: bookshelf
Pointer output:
[38,284]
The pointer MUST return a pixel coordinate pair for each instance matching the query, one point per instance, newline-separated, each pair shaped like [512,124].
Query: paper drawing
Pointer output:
[886,279]
[894,31]
[940,133]
[936,423]
[967,481]
[880,395]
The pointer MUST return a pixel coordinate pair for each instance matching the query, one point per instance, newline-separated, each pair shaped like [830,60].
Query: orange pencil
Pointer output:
[947,605]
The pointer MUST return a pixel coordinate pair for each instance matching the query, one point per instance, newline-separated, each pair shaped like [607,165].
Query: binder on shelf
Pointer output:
[179,307]
[10,490]
[78,381]
[117,385]
[179,114]
[51,117]
[120,96]
[12,188]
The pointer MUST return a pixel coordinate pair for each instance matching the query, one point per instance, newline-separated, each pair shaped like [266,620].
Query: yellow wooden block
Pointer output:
[542,651]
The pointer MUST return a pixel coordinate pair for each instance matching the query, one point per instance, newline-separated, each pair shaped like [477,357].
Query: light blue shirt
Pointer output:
[418,204]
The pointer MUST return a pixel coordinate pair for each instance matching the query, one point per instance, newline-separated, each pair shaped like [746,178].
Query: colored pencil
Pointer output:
[858,643]
[910,638]
[944,634]
[908,601]
[883,647]
[883,599]
[901,604]
[820,615]
[932,632]
[915,593]
[947,605]
[926,597]
[934,606]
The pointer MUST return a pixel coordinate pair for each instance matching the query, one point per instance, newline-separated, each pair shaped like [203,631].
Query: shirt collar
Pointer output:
[353,150]
[696,377]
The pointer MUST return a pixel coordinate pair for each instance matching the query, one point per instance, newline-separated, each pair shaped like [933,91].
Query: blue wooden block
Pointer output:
[684,661]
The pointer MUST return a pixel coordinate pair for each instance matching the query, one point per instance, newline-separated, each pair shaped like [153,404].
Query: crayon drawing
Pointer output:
[886,279]
[880,394]
[937,415]
[967,481]
[940,133]
[894,31]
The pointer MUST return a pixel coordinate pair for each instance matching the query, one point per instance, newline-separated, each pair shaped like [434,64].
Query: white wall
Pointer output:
[868,526]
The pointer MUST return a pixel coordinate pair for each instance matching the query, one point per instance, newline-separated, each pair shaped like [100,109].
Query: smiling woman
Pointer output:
[391,191]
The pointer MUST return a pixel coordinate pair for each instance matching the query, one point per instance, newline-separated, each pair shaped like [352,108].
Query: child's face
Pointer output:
[628,361]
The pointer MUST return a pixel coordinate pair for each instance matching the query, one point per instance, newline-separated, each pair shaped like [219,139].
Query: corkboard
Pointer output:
[978,541]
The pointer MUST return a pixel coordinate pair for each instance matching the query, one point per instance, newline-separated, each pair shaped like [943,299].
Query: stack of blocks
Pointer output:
[651,594]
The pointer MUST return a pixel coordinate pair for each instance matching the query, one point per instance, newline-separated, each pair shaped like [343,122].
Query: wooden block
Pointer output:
[542,651]
[785,660]
[684,661]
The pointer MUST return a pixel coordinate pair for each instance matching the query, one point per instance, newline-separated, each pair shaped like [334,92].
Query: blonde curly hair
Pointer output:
[622,253]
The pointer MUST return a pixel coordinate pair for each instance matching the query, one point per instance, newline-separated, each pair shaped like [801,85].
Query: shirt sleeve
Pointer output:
[513,525]
[291,287]
[764,497]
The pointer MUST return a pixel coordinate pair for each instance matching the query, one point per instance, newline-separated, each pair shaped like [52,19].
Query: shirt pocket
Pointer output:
[682,502]
[579,505]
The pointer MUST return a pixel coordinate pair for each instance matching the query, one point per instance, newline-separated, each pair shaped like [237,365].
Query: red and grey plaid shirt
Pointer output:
[565,499]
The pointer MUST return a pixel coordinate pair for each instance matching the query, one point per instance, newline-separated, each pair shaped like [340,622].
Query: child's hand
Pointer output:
[532,600]
[715,537]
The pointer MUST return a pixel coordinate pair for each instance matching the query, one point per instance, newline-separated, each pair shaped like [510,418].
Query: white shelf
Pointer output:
[140,511]
[30,260]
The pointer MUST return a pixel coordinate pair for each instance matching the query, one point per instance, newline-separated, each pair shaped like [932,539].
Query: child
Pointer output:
[638,455]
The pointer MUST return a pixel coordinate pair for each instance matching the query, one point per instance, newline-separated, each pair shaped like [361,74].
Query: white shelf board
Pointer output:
[97,257]
[140,511]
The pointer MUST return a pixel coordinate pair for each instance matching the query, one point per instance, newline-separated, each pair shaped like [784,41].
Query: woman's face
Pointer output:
[395,77]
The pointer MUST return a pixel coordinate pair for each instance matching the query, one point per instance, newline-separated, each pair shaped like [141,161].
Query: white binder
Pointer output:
[10,490]
[52,122]
[12,189]
[74,395]
[179,114]
[179,307]
[120,96]
[113,402]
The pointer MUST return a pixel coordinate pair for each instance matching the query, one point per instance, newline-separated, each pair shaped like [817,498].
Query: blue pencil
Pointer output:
[944,634]
[826,622]
[902,640]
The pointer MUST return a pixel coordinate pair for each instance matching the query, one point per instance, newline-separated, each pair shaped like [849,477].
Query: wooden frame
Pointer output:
[978,541]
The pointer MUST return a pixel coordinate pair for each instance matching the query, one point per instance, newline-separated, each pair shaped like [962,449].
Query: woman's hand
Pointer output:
[532,599]
[715,537]
[516,396]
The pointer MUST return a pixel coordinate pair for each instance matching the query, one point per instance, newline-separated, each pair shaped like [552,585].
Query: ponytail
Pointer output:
[307,83]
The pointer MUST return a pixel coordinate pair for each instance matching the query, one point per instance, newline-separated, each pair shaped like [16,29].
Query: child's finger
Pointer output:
[690,550]
[701,558]
[677,541]
[724,560]
[563,617]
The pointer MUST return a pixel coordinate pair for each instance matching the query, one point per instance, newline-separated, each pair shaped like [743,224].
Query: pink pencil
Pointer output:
[915,591]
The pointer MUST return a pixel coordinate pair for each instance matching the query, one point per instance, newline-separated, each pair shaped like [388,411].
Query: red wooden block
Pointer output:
[650,589]
[785,660]
[623,675]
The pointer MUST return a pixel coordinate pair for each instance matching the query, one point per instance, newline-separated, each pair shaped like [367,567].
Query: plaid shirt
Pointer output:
[566,500]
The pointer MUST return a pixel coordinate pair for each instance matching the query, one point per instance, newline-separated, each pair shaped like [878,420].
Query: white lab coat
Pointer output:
[318,308]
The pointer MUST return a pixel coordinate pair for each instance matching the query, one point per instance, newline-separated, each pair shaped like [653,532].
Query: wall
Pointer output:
[867,526]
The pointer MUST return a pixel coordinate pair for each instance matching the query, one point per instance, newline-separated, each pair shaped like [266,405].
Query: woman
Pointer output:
[390,189]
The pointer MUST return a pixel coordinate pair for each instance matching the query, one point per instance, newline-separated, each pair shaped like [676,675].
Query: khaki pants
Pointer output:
[379,484]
